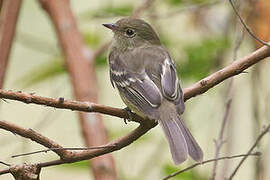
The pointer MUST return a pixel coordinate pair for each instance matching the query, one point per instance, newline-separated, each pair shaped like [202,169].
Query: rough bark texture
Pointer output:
[8,20]
[84,82]
[25,172]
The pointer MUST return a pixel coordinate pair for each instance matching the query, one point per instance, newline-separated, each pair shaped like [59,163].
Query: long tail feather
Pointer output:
[194,149]
[180,139]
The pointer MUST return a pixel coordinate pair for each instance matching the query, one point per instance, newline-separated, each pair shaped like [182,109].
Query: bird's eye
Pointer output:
[130,32]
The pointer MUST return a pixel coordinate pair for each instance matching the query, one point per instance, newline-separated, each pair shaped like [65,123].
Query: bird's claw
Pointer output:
[130,115]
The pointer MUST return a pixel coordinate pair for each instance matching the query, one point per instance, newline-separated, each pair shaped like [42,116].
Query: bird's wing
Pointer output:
[137,88]
[170,85]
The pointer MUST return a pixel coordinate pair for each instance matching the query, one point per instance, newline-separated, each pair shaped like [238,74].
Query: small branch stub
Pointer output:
[25,172]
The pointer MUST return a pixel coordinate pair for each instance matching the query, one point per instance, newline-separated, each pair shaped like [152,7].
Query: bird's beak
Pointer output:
[111,26]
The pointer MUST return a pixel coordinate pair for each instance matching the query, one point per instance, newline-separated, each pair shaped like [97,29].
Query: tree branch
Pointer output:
[266,130]
[208,161]
[246,26]
[8,18]
[61,103]
[229,95]
[6,164]
[72,156]
[34,136]
[233,69]
[200,87]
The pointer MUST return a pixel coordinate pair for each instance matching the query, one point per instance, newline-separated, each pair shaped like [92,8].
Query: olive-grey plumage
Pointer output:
[146,78]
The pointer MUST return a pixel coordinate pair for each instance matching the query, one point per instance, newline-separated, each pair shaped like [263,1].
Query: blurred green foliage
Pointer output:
[43,72]
[91,39]
[51,69]
[187,175]
[101,60]
[183,2]
[201,56]
[79,165]
[199,61]
[55,66]
[121,10]
[174,2]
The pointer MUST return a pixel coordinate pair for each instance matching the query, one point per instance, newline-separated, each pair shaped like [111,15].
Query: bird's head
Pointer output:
[131,33]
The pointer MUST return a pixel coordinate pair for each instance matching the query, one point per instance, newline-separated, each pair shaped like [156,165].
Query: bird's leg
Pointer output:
[130,115]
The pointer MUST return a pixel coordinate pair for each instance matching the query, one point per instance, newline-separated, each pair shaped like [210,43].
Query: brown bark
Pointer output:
[84,82]
[235,68]
[8,20]
[34,136]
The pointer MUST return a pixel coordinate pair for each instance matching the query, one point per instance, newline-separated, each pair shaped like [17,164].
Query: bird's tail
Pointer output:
[180,139]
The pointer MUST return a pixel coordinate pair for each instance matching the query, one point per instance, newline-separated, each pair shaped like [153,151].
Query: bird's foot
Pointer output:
[130,115]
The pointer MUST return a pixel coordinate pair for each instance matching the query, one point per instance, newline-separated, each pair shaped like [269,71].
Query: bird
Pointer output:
[145,75]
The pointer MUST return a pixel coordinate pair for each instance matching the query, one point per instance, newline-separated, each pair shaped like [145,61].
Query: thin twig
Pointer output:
[6,164]
[34,136]
[220,141]
[61,103]
[266,130]
[233,69]
[117,145]
[70,156]
[208,161]
[64,148]
[5,171]
[246,26]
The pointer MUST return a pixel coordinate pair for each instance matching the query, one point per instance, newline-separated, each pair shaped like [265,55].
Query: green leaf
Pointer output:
[201,57]
[43,72]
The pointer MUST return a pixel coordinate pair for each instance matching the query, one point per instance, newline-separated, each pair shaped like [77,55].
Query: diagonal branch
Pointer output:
[208,161]
[71,156]
[8,20]
[261,135]
[61,103]
[231,70]
[229,95]
[113,146]
[34,136]
[246,26]
[200,87]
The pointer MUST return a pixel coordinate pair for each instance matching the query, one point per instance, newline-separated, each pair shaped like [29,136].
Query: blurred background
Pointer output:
[202,37]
